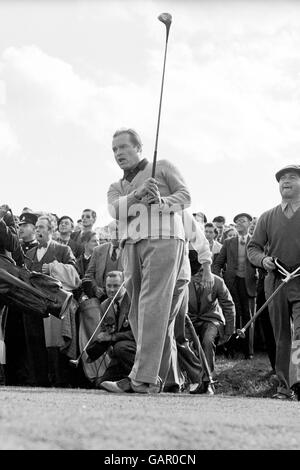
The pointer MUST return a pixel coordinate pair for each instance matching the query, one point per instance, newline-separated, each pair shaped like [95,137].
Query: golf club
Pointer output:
[75,362]
[288,277]
[165,18]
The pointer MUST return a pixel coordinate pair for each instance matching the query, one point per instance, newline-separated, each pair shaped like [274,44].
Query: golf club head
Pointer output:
[165,18]
[74,362]
[240,333]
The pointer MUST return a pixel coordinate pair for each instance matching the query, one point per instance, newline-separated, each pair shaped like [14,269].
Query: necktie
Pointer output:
[243,240]
[117,312]
[42,245]
[114,254]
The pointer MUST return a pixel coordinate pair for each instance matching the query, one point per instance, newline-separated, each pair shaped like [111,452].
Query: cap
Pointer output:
[243,214]
[286,169]
[28,218]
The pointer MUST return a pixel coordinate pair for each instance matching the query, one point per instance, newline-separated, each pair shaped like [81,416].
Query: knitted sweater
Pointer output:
[139,220]
[280,236]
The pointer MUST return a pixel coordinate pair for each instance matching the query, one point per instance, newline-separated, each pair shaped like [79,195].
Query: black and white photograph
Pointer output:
[150,227]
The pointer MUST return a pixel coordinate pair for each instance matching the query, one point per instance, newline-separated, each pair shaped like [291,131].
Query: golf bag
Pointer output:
[31,291]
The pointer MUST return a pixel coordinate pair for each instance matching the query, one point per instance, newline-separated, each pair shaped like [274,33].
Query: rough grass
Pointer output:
[252,378]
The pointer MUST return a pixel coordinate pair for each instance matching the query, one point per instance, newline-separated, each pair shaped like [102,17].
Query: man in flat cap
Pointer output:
[277,236]
[240,277]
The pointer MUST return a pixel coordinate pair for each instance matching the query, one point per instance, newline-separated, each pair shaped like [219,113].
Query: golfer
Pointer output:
[153,238]
[278,230]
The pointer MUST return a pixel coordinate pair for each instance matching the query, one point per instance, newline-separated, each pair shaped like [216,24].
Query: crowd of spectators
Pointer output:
[87,262]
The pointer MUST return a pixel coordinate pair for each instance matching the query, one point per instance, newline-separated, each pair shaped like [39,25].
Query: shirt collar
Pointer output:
[119,300]
[294,204]
[130,174]
[117,248]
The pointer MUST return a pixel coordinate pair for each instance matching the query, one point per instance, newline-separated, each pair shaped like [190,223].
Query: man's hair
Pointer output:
[115,274]
[63,218]
[49,220]
[94,215]
[86,237]
[133,135]
[211,225]
[228,229]
[220,219]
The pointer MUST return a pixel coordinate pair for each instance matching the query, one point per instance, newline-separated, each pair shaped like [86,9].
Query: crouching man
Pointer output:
[212,313]
[115,337]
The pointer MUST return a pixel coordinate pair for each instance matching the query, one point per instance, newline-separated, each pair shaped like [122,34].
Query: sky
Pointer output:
[72,72]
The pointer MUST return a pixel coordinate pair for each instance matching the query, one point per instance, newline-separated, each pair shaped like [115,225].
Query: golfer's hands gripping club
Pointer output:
[148,190]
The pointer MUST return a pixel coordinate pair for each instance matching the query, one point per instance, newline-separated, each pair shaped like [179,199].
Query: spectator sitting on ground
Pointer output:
[115,334]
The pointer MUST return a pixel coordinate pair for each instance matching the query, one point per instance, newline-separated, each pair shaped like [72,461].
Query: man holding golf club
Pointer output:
[149,211]
[278,231]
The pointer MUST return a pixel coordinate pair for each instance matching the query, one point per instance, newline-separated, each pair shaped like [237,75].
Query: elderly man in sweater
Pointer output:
[277,236]
[150,223]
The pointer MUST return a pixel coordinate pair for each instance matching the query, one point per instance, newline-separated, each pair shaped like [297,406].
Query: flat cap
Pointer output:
[243,214]
[286,169]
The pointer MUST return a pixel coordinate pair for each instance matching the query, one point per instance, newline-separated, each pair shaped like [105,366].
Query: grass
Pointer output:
[252,378]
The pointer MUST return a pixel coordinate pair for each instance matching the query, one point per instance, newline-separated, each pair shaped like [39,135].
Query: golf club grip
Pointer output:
[154,163]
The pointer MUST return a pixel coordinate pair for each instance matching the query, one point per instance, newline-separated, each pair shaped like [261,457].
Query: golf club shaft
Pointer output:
[268,301]
[160,102]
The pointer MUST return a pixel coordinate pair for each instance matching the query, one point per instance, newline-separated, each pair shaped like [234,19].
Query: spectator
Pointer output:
[57,260]
[90,241]
[219,223]
[241,278]
[105,258]
[88,218]
[187,365]
[65,229]
[230,232]
[21,328]
[78,226]
[27,231]
[215,247]
[9,244]
[252,226]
